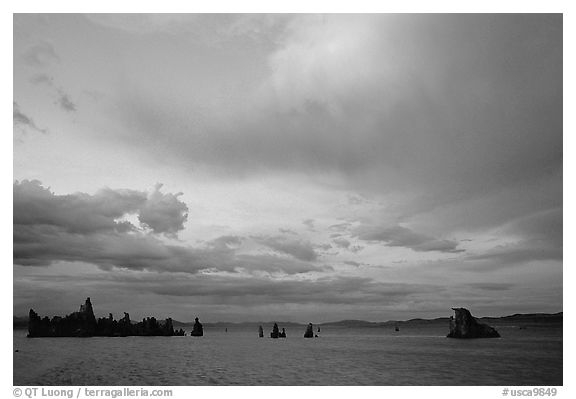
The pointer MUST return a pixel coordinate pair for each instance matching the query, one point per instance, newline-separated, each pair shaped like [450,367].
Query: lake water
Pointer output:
[339,357]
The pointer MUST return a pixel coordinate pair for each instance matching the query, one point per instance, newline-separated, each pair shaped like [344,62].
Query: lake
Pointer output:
[341,356]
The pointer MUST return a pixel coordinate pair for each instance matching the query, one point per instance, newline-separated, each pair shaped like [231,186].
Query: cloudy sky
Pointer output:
[288,167]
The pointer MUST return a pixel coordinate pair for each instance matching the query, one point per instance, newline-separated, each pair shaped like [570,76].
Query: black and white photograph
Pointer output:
[287,199]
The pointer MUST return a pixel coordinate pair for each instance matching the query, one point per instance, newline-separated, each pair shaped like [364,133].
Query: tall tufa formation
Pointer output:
[275,333]
[309,331]
[78,324]
[464,325]
[197,330]
[260,332]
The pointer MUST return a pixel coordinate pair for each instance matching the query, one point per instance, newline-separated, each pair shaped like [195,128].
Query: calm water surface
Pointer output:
[339,357]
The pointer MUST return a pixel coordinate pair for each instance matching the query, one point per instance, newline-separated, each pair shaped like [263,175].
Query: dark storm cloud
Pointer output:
[35,205]
[399,236]
[86,228]
[23,121]
[298,248]
[40,55]
[84,213]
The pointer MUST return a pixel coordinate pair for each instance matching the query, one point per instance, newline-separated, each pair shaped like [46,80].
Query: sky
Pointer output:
[292,167]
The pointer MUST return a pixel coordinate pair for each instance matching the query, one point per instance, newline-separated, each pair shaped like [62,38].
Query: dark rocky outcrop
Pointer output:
[78,324]
[309,331]
[464,325]
[282,334]
[275,332]
[197,330]
[260,332]
[84,324]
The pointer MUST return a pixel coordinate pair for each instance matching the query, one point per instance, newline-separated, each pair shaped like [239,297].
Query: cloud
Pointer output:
[65,102]
[537,236]
[63,99]
[341,242]
[297,248]
[324,247]
[276,264]
[340,227]
[545,226]
[511,254]
[352,263]
[43,245]
[35,205]
[491,286]
[23,121]
[226,242]
[309,223]
[163,213]
[40,55]
[399,236]
[42,79]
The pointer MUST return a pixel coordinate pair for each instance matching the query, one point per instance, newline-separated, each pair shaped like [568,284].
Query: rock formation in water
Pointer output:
[84,324]
[282,334]
[464,325]
[275,333]
[197,330]
[309,331]
[260,332]
[77,324]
